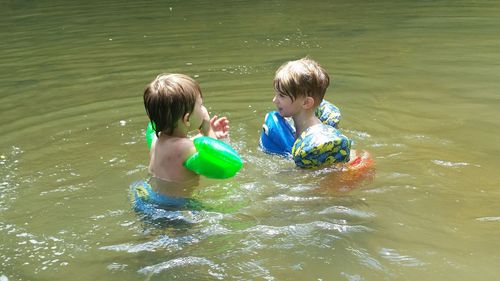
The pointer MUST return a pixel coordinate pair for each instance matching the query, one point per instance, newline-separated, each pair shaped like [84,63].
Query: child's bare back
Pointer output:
[167,157]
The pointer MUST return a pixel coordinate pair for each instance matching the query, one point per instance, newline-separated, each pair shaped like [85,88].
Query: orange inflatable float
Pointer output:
[359,170]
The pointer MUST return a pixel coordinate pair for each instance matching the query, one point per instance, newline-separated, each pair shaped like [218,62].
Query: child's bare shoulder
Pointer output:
[180,146]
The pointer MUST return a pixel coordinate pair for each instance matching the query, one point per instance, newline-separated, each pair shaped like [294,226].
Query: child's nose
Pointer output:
[274,99]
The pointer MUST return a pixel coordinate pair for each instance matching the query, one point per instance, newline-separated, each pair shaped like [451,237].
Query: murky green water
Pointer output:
[417,82]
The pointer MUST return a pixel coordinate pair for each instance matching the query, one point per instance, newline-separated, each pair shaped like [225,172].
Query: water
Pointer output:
[417,85]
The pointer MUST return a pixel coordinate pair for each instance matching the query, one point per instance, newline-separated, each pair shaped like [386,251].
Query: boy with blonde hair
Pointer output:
[300,87]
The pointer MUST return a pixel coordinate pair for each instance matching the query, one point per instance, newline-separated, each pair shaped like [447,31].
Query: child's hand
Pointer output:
[220,126]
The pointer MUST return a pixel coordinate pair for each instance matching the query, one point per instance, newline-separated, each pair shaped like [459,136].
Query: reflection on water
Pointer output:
[416,83]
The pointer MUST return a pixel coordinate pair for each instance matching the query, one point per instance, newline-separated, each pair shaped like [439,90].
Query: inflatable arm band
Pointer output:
[213,159]
[328,113]
[277,135]
[321,145]
[150,135]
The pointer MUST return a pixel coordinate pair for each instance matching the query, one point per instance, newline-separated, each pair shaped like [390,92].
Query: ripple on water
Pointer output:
[255,270]
[301,231]
[116,266]
[170,243]
[8,174]
[393,256]
[162,242]
[496,219]
[451,164]
[288,198]
[346,211]
[365,258]
[191,261]
[35,251]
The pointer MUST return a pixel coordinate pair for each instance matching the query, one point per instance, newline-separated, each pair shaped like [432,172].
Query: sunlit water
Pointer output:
[417,83]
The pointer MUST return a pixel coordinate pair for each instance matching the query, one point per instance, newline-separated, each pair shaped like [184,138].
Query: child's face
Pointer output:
[199,114]
[286,107]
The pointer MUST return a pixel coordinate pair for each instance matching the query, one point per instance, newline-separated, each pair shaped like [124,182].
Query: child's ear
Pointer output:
[308,103]
[185,119]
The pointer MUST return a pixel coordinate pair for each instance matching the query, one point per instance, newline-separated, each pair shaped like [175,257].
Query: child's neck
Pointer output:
[304,120]
[179,132]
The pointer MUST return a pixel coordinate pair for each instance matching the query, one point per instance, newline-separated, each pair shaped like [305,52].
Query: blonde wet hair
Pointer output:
[302,78]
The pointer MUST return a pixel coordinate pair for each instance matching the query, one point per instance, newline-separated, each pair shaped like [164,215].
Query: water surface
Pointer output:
[417,85]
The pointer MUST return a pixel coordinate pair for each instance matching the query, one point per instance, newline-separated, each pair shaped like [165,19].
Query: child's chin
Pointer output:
[283,114]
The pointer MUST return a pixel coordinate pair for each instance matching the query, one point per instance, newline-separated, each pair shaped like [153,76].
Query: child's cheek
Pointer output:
[204,112]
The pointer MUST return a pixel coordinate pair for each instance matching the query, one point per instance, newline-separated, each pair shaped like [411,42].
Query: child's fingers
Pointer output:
[223,121]
[215,123]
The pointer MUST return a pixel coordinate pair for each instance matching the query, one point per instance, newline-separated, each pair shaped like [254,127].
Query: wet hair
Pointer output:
[302,78]
[168,98]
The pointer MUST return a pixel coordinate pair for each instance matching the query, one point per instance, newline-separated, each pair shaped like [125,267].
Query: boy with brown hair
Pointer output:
[174,105]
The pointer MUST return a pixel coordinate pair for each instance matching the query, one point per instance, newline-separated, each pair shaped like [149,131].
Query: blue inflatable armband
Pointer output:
[319,145]
[277,135]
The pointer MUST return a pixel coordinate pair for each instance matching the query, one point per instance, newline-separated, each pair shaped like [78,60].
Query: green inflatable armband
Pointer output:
[150,135]
[214,159]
